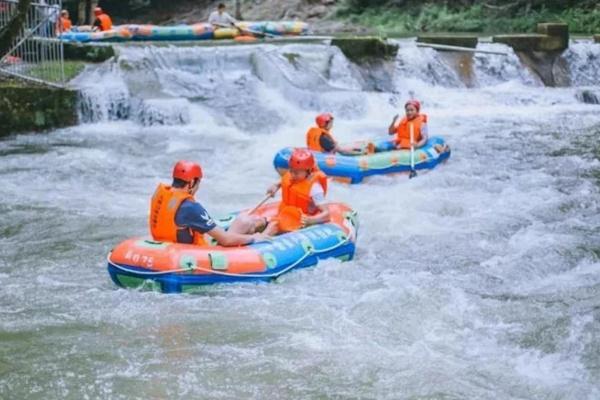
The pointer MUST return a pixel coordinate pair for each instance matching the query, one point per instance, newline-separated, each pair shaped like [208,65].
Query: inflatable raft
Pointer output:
[175,267]
[202,31]
[382,159]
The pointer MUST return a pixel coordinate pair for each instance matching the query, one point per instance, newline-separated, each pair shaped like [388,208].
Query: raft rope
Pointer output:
[308,253]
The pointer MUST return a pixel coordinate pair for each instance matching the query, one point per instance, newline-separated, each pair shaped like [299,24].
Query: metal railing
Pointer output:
[37,53]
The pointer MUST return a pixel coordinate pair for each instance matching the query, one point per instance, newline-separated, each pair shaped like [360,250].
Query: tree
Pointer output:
[12,29]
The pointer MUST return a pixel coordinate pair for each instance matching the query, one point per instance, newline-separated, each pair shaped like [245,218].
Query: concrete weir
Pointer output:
[469,41]
[541,51]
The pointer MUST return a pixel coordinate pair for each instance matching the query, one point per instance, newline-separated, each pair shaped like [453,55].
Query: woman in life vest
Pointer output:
[102,21]
[303,187]
[319,138]
[176,216]
[414,123]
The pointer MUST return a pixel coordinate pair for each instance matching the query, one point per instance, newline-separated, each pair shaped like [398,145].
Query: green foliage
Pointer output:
[437,16]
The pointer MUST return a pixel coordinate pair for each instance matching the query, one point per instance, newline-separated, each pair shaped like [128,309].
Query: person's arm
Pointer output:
[96,24]
[273,189]
[318,198]
[392,127]
[230,19]
[424,136]
[229,239]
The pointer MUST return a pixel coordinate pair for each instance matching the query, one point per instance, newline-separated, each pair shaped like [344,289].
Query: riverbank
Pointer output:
[481,19]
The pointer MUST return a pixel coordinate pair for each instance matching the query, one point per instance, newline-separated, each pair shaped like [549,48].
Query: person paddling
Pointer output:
[414,123]
[319,137]
[102,21]
[175,215]
[220,18]
[303,190]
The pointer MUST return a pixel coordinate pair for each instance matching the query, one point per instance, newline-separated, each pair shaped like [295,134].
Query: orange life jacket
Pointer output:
[65,25]
[105,22]
[164,206]
[313,138]
[403,130]
[297,194]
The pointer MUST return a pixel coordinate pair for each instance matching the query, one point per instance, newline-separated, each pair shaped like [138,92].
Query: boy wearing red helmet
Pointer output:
[303,187]
[414,123]
[175,216]
[319,138]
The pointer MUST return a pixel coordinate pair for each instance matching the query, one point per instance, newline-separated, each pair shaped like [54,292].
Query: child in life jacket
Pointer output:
[303,190]
[412,129]
[319,138]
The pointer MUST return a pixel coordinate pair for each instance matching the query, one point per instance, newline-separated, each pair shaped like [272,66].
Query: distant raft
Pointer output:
[176,267]
[201,31]
[382,159]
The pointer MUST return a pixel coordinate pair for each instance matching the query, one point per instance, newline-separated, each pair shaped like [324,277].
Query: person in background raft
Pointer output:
[64,22]
[102,21]
[303,190]
[319,138]
[175,216]
[413,120]
[220,18]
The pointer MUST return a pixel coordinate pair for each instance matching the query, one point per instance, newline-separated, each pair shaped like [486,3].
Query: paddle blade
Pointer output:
[289,219]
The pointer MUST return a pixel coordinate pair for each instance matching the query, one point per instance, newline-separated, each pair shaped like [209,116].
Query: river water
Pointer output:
[478,280]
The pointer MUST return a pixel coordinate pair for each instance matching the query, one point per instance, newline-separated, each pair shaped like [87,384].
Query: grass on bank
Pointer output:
[395,21]
[50,71]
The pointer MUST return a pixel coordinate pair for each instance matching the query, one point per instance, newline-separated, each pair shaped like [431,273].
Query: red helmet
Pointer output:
[187,171]
[323,119]
[97,11]
[301,159]
[414,103]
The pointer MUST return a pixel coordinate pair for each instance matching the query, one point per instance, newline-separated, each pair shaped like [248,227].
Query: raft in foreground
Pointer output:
[175,267]
[384,160]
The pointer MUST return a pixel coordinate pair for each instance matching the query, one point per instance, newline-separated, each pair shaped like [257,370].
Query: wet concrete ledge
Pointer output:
[469,41]
[550,37]
[27,108]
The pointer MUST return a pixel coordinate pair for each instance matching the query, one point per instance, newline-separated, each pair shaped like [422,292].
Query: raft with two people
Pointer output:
[199,31]
[188,249]
[176,267]
[376,157]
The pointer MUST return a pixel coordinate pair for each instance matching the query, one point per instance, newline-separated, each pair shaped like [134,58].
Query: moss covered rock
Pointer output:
[364,49]
[35,108]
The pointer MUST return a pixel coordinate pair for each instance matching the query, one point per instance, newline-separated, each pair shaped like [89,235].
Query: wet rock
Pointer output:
[597,38]
[317,12]
[588,96]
